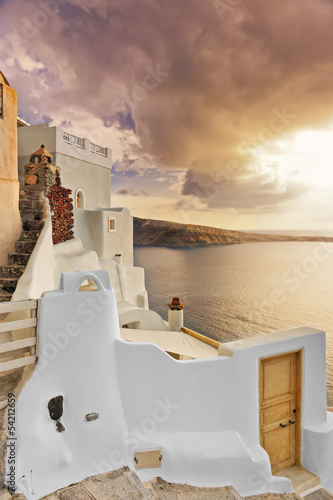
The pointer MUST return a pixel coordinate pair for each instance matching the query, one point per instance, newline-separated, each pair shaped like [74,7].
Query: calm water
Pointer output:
[239,291]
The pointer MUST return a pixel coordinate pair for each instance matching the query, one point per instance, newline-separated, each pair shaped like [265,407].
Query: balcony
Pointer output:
[94,148]
[73,139]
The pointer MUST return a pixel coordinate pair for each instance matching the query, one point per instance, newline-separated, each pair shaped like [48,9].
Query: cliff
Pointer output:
[150,232]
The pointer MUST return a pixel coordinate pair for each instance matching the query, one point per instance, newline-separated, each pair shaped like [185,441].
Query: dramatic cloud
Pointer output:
[131,192]
[209,87]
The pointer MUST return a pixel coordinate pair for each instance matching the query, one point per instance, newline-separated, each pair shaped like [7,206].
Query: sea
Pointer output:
[238,291]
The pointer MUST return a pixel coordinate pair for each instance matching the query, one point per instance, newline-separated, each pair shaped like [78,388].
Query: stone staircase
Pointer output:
[31,210]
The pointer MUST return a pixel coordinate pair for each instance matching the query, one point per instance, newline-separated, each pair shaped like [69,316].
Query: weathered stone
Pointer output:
[275,496]
[12,271]
[33,225]
[29,235]
[92,416]
[5,297]
[320,494]
[18,258]
[122,484]
[25,246]
[8,284]
[61,209]
[161,490]
[5,494]
[60,427]
[55,407]
[27,215]
[76,492]
[3,451]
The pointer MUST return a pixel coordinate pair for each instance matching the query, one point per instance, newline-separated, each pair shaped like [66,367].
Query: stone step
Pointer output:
[274,496]
[30,204]
[29,235]
[27,215]
[318,494]
[33,225]
[35,190]
[8,285]
[26,246]
[160,489]
[301,478]
[310,491]
[18,258]
[14,271]
[4,296]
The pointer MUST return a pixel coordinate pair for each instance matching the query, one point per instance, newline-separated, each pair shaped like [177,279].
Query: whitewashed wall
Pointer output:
[202,414]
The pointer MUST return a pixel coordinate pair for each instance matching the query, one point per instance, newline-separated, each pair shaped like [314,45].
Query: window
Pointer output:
[112,225]
[1,100]
[79,199]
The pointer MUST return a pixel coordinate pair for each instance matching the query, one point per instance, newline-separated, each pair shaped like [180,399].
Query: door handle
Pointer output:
[290,422]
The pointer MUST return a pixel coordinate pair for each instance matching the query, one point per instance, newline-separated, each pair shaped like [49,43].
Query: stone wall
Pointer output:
[61,205]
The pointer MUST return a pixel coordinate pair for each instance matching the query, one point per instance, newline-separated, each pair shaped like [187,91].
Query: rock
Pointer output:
[60,427]
[92,416]
[55,407]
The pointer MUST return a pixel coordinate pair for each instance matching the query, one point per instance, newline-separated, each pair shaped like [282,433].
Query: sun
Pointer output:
[314,152]
[307,155]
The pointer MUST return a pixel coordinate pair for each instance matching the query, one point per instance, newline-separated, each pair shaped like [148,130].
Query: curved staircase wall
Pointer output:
[38,275]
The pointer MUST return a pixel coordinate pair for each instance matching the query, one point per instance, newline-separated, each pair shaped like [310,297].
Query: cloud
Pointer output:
[262,189]
[182,87]
[131,192]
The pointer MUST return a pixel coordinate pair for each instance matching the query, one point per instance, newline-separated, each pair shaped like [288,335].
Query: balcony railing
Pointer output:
[80,143]
[94,148]
[73,139]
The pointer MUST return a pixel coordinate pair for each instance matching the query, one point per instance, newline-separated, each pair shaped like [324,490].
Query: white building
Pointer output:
[85,166]
[86,170]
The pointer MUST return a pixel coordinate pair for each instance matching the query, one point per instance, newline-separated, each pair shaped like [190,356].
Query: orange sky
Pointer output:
[218,112]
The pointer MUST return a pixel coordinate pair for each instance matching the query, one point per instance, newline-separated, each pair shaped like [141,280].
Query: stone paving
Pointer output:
[124,484]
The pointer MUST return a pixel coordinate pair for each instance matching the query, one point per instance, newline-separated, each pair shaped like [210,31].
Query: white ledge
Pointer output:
[229,348]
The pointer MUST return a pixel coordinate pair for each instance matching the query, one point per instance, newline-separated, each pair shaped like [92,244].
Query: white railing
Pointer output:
[25,351]
[95,148]
[73,139]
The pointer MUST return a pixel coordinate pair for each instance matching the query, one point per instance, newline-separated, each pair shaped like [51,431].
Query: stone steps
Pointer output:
[25,246]
[30,235]
[28,215]
[33,225]
[18,258]
[301,478]
[317,493]
[8,285]
[31,210]
[28,203]
[5,297]
[14,271]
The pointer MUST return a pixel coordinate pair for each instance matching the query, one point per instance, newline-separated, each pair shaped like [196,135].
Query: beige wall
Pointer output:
[10,220]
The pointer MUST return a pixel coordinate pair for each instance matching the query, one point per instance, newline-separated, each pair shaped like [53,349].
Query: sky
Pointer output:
[218,112]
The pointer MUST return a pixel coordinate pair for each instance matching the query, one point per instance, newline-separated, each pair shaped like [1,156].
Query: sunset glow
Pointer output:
[216,117]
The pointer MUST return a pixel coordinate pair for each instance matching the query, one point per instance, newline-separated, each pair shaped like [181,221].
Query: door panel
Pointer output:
[279,404]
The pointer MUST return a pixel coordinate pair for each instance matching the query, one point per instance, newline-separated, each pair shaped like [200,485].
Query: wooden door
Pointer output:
[280,396]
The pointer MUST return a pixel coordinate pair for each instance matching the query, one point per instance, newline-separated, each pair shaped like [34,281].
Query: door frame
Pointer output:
[299,393]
